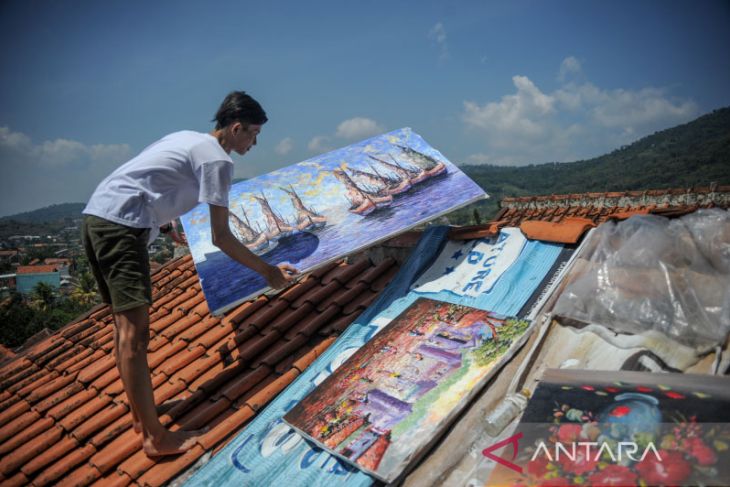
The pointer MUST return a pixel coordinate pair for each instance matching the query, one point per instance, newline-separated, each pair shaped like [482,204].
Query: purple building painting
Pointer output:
[391,388]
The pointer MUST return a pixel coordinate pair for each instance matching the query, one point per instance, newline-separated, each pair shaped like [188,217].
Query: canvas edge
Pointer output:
[361,469]
[223,309]
[467,399]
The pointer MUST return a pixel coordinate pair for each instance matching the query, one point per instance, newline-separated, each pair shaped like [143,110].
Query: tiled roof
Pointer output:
[64,418]
[36,269]
[564,218]
[5,354]
[600,207]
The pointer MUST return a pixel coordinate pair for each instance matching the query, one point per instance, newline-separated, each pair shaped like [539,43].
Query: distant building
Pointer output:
[7,284]
[9,256]
[63,264]
[28,276]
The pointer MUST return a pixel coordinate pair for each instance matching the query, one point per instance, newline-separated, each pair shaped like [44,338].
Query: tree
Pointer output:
[42,296]
[84,292]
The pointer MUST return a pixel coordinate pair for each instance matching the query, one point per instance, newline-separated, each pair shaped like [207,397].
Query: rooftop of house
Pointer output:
[64,418]
[36,269]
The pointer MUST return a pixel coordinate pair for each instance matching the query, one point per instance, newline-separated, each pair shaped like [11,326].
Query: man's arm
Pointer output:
[276,276]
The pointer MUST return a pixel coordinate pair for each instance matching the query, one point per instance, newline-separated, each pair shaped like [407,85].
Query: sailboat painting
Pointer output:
[325,208]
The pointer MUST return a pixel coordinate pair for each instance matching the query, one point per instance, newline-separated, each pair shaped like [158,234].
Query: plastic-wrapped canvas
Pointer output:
[383,407]
[322,209]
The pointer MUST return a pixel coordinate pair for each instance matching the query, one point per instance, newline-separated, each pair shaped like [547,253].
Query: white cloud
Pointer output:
[53,171]
[438,35]
[284,146]
[519,115]
[568,67]
[576,121]
[319,144]
[352,129]
[358,128]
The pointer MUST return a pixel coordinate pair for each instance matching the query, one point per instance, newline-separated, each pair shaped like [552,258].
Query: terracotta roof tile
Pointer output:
[18,424]
[283,348]
[55,452]
[36,269]
[57,470]
[313,322]
[223,428]
[602,206]
[118,450]
[344,273]
[65,419]
[21,455]
[568,231]
[100,420]
[95,479]
[360,302]
[85,475]
[244,310]
[317,294]
[169,467]
[19,479]
[25,435]
[14,411]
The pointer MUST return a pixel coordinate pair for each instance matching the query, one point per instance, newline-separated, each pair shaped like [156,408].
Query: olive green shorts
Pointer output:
[119,261]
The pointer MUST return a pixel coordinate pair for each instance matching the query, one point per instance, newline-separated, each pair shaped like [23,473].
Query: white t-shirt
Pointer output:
[167,179]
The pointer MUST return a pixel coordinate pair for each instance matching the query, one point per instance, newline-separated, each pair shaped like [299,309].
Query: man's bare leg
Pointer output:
[131,354]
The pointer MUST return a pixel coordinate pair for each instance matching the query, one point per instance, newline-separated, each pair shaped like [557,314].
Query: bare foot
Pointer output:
[171,443]
[161,409]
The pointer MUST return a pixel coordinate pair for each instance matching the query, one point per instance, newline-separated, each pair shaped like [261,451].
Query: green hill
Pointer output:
[694,154]
[48,214]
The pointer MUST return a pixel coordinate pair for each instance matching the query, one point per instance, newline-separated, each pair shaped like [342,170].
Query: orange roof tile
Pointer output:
[567,231]
[64,417]
[599,207]
[36,269]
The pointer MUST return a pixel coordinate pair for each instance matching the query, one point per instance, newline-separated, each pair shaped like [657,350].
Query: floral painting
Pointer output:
[622,428]
[395,395]
[325,208]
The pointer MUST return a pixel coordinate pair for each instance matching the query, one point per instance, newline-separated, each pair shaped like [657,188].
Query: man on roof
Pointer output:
[124,215]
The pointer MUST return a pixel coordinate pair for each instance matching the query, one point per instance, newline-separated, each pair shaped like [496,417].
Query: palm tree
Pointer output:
[42,296]
[84,292]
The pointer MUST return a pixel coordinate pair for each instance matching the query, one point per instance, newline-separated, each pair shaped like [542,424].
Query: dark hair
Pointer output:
[239,107]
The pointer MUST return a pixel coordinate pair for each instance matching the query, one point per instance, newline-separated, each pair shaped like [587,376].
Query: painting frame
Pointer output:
[376,417]
[328,231]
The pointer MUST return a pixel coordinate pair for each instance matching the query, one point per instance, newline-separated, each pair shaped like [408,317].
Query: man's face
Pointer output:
[244,137]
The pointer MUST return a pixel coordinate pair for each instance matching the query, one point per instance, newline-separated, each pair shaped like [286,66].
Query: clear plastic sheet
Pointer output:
[652,273]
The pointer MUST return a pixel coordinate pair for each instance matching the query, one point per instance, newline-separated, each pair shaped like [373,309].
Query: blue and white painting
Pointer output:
[329,206]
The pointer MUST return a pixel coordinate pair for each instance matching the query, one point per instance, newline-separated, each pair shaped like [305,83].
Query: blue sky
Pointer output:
[86,85]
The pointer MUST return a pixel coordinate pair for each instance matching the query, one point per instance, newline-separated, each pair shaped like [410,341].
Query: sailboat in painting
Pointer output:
[428,164]
[255,241]
[307,218]
[400,179]
[362,201]
[310,213]
[276,226]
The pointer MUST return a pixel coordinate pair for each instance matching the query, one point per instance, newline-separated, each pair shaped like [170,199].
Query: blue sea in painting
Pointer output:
[226,283]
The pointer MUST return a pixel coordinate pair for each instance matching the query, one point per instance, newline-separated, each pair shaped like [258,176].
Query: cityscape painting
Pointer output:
[322,209]
[383,407]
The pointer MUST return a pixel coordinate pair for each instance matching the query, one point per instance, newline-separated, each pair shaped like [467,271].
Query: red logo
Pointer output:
[512,440]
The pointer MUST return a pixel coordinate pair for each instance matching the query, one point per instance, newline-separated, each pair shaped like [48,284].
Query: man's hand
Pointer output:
[278,276]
